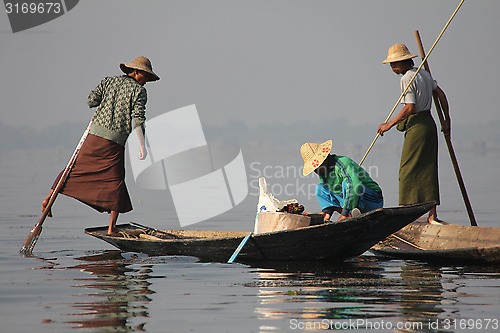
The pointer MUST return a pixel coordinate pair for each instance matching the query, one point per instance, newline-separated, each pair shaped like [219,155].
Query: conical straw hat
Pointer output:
[314,154]
[141,63]
[398,52]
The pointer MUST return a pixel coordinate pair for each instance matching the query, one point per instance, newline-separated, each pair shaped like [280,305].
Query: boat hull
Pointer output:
[449,243]
[336,241]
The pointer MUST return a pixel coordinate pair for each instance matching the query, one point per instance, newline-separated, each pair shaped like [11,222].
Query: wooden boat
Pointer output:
[449,243]
[335,241]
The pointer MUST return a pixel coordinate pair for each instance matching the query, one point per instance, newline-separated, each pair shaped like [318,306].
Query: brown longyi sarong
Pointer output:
[418,172]
[98,176]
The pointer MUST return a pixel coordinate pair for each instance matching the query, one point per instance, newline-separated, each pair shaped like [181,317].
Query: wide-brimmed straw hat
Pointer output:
[314,154]
[398,52]
[141,63]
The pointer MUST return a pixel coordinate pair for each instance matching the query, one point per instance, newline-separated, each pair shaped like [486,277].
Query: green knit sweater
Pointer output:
[121,106]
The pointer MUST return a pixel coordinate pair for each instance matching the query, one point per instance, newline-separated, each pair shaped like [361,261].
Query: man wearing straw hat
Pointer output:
[345,186]
[418,172]
[98,175]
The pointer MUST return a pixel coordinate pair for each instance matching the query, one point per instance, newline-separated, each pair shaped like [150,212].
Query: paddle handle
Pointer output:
[30,242]
[238,249]
[447,138]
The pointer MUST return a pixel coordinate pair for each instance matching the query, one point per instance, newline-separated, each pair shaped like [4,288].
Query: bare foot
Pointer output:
[436,221]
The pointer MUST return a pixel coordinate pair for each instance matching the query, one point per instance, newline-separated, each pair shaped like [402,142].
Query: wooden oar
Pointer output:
[447,138]
[238,249]
[30,242]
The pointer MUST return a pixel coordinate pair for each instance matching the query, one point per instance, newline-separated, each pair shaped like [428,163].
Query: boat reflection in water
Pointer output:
[360,294]
[129,292]
[119,293]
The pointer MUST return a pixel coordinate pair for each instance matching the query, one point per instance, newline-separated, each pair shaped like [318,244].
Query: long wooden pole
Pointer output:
[412,79]
[447,138]
[30,242]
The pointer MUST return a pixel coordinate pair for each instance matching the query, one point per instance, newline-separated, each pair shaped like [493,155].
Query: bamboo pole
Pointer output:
[412,79]
[447,138]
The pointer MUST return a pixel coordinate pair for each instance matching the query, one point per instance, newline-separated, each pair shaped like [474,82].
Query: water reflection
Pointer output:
[117,289]
[363,292]
[422,292]
[121,293]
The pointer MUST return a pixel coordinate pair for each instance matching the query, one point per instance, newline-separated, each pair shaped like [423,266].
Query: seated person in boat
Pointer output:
[344,184]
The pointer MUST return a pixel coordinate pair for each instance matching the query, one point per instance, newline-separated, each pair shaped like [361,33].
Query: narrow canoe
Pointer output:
[335,241]
[449,243]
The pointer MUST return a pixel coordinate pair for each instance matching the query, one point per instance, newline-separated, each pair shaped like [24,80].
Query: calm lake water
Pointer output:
[75,283]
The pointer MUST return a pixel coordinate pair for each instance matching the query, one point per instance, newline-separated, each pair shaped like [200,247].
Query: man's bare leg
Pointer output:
[433,219]
[113,217]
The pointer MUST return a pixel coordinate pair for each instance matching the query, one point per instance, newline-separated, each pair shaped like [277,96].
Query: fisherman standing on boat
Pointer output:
[345,185]
[418,172]
[98,176]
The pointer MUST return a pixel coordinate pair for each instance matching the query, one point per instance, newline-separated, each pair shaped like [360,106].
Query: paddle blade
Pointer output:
[30,242]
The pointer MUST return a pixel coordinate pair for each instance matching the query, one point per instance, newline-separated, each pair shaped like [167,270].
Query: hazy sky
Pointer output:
[310,63]
[251,61]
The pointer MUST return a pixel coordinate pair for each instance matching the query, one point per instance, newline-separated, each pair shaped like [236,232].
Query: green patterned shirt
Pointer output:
[120,100]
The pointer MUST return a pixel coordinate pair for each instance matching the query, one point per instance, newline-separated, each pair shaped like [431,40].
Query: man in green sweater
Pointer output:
[344,185]
[98,175]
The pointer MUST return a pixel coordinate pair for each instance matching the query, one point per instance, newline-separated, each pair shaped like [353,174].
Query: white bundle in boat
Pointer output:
[269,218]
